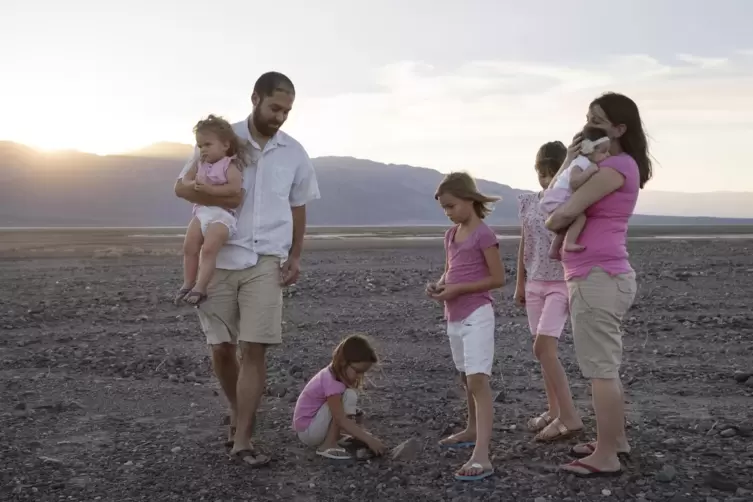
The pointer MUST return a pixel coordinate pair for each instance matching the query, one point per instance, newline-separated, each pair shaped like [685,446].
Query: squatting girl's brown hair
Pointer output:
[463,186]
[224,131]
[550,157]
[354,349]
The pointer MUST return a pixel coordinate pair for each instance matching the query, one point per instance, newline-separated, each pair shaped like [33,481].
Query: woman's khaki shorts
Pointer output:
[598,302]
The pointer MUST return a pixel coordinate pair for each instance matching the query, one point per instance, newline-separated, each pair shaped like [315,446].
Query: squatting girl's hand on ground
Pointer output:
[376,446]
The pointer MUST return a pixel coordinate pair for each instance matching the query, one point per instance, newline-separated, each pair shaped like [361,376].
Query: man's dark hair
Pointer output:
[271,82]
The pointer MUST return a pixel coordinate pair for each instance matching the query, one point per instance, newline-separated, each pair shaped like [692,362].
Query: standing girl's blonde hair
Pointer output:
[463,186]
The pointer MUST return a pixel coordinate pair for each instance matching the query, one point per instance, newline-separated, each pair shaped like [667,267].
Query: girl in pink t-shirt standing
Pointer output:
[541,288]
[473,267]
[327,404]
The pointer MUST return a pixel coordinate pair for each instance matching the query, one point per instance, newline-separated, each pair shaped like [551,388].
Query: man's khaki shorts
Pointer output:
[598,302]
[244,305]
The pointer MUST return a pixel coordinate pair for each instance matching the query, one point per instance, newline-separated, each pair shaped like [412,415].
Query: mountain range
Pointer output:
[72,188]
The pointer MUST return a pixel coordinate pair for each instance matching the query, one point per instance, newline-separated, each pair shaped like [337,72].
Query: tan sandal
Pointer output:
[536,424]
[250,457]
[561,432]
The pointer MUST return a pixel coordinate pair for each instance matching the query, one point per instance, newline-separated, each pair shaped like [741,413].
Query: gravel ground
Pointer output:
[106,391]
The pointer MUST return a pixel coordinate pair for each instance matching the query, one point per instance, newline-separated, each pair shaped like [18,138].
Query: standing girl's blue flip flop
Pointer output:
[457,446]
[484,473]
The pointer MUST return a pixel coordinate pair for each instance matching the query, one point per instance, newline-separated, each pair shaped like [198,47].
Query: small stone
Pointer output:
[742,376]
[129,463]
[720,482]
[667,474]
[407,450]
[728,433]
[500,397]
[606,492]
[50,460]
[277,390]
[73,405]
[176,449]
[671,441]
[453,393]
[294,370]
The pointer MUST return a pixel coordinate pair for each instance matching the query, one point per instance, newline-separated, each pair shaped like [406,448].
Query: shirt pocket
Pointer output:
[282,182]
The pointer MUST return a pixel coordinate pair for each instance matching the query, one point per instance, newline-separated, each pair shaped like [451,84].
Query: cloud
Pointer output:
[703,62]
[490,116]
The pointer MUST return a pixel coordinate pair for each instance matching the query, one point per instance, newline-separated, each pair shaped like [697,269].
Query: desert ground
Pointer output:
[106,392]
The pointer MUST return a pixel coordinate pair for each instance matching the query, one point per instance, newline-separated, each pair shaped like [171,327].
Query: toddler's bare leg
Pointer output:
[215,237]
[573,233]
[554,249]
[191,250]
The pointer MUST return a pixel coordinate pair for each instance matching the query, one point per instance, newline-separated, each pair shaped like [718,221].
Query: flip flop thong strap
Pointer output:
[335,452]
[582,465]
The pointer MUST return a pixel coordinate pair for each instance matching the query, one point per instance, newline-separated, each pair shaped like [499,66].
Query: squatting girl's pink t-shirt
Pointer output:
[605,233]
[314,395]
[466,263]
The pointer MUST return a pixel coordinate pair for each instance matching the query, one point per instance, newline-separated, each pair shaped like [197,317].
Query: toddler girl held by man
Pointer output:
[217,171]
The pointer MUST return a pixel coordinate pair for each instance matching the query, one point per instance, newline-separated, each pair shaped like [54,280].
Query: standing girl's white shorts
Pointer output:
[213,214]
[472,341]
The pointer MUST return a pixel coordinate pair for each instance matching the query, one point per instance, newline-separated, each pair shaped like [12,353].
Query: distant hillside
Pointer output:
[79,189]
[164,150]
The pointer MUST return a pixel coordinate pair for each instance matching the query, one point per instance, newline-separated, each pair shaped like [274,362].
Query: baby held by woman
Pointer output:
[594,148]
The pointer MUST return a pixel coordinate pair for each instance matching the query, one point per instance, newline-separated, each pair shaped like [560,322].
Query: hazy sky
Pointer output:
[475,85]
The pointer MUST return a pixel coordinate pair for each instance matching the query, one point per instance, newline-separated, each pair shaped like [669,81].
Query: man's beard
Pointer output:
[265,128]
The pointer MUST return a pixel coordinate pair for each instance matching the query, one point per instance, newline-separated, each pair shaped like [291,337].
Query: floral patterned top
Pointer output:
[539,267]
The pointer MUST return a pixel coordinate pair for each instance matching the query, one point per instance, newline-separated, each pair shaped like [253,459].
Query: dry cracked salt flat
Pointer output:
[106,391]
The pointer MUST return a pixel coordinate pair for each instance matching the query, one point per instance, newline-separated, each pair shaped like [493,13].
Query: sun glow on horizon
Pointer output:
[96,79]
